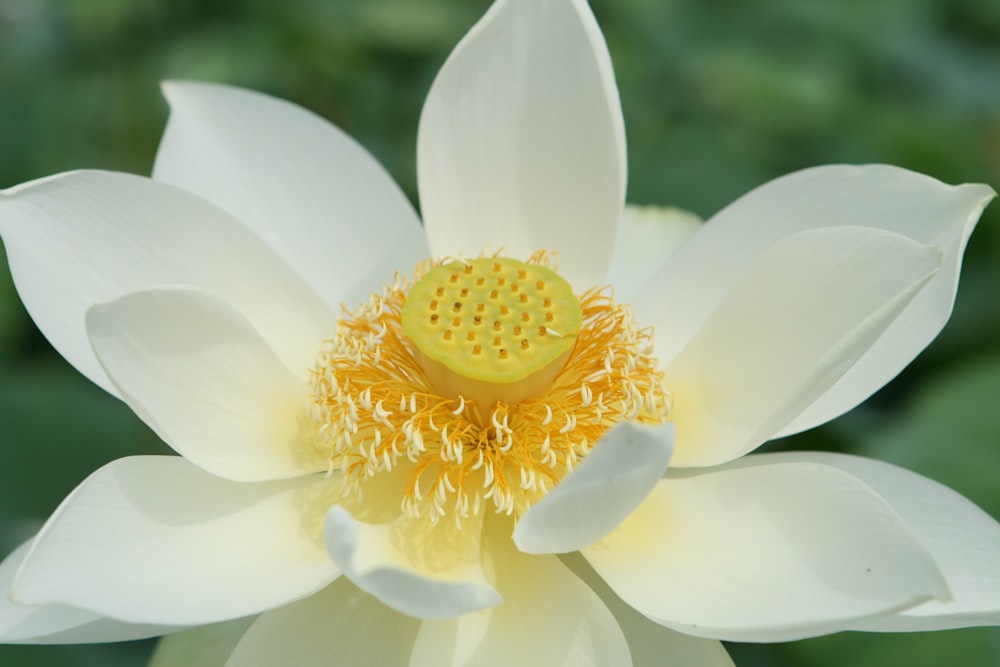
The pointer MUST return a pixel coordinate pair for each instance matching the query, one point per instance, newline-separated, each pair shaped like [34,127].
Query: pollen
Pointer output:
[488,408]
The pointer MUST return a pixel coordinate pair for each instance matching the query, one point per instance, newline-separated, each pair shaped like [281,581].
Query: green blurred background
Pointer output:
[719,97]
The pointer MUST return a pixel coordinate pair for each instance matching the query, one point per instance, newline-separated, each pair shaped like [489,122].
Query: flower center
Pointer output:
[482,384]
[492,329]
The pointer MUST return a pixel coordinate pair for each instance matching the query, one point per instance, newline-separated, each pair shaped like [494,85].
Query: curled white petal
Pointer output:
[614,478]
[427,571]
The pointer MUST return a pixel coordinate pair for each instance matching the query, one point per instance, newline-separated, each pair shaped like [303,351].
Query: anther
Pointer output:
[525,344]
[447,334]
[457,306]
[524,298]
[525,316]
[465,292]
[453,278]
[517,331]
[503,353]
[456,322]
[439,291]
[497,326]
[522,274]
[471,336]
[434,304]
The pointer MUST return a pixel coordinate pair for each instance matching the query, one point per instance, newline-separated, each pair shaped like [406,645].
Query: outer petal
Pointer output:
[521,142]
[964,541]
[82,238]
[647,238]
[153,539]
[420,569]
[548,617]
[194,369]
[768,553]
[802,314]
[58,624]
[205,646]
[651,644]
[310,191]
[340,625]
[878,196]
[606,487]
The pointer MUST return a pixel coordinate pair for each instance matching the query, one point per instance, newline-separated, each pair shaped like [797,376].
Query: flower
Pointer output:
[365,486]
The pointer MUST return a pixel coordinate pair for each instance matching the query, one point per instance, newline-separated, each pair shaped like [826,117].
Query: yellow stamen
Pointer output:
[378,407]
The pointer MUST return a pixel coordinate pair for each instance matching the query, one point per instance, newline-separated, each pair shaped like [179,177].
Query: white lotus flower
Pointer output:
[393,489]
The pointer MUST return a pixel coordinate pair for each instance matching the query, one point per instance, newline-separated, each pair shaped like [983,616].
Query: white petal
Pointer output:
[205,646]
[416,568]
[521,142]
[548,617]
[767,553]
[687,290]
[153,539]
[58,624]
[340,625]
[614,478]
[651,644]
[82,238]
[963,539]
[803,312]
[194,369]
[647,238]
[309,190]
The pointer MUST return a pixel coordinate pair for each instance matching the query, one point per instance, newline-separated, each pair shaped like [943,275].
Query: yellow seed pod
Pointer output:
[492,321]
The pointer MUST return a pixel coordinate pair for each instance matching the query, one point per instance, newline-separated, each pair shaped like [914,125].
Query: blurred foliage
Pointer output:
[719,97]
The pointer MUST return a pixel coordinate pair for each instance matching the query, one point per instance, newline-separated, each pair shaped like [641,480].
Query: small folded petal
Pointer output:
[685,292]
[198,373]
[963,539]
[614,478]
[548,617]
[647,237]
[804,311]
[82,238]
[153,539]
[423,570]
[56,623]
[766,553]
[204,646]
[521,142]
[650,644]
[340,625]
[312,193]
